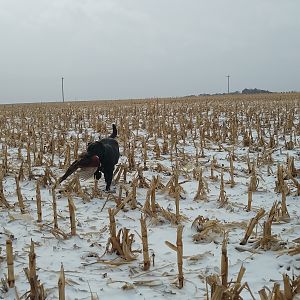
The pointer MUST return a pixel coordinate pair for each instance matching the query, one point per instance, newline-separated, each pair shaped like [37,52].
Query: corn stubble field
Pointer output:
[206,203]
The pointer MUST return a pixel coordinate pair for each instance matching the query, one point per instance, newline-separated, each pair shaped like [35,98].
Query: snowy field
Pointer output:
[244,139]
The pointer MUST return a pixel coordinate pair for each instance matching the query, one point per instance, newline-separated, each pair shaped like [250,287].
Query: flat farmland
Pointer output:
[205,200]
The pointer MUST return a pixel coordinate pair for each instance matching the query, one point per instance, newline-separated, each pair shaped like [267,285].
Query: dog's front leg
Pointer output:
[97,174]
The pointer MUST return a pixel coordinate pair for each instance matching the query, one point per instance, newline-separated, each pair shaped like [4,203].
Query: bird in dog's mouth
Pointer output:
[86,165]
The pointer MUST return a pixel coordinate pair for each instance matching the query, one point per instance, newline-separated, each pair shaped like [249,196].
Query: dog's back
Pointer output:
[112,152]
[107,149]
[112,145]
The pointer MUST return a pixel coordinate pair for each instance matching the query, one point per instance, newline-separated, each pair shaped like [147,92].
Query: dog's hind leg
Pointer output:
[108,175]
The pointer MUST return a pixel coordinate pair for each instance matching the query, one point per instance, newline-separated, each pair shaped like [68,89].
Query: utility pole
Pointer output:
[62,89]
[228,76]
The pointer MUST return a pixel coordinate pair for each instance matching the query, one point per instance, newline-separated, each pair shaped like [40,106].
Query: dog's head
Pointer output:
[95,148]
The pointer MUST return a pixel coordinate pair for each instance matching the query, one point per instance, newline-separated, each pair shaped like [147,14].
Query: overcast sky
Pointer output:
[108,49]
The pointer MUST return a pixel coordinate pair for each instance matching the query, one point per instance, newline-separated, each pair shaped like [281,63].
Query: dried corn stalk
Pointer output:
[246,139]
[54,208]
[179,255]
[295,182]
[282,213]
[133,202]
[275,294]
[288,288]
[10,264]
[4,160]
[290,144]
[280,185]
[157,151]
[216,288]
[61,284]
[268,239]
[152,198]
[113,231]
[165,147]
[38,202]
[121,243]
[142,183]
[118,173]
[254,181]
[3,201]
[252,223]
[145,244]
[223,199]
[36,288]
[291,166]
[207,230]
[172,184]
[67,161]
[294,250]
[162,169]
[231,171]
[249,203]
[20,197]
[96,192]
[224,262]
[227,290]
[131,155]
[202,188]
[46,179]
[21,175]
[72,210]
[213,166]
[179,249]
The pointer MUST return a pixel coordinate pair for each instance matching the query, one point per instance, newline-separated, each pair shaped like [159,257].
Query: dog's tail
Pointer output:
[114,133]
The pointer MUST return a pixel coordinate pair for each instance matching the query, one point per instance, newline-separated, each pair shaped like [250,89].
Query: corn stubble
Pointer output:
[149,132]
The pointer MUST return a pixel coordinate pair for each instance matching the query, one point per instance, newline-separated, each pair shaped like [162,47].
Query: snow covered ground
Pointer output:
[92,272]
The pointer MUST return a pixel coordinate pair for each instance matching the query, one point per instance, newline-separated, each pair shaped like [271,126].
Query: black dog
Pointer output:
[107,150]
[101,156]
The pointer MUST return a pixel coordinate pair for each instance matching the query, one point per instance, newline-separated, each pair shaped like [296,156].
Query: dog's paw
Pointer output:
[97,175]
[110,191]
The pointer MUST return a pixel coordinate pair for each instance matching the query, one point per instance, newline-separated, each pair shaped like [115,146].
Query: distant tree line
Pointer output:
[244,91]
[255,91]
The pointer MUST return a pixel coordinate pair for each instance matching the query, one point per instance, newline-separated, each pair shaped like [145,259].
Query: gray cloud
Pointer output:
[138,48]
